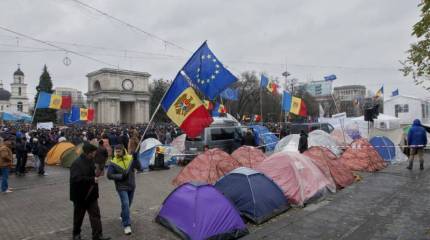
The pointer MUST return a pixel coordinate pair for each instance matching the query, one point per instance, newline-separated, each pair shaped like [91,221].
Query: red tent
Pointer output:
[329,164]
[248,156]
[297,176]
[207,167]
[361,156]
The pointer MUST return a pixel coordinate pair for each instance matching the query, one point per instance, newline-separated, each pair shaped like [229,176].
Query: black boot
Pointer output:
[411,164]
[421,166]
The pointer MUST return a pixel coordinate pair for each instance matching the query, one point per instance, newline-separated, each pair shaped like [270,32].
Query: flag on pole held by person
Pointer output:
[207,73]
[395,92]
[47,100]
[286,101]
[271,86]
[78,114]
[184,107]
[219,108]
[298,107]
[380,92]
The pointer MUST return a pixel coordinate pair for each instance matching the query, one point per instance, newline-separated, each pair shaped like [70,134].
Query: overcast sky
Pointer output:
[361,41]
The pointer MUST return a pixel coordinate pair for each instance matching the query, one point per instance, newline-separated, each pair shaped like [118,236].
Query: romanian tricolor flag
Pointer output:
[298,107]
[53,101]
[185,108]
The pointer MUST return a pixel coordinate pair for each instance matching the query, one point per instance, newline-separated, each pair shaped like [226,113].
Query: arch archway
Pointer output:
[97,86]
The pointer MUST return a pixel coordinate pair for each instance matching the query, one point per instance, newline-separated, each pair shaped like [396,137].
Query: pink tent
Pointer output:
[248,156]
[207,167]
[179,143]
[342,138]
[329,164]
[299,179]
[361,156]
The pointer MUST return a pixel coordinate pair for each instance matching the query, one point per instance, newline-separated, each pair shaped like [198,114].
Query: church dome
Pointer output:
[4,95]
[18,72]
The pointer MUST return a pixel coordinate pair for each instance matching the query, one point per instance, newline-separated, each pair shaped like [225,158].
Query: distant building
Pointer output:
[349,92]
[16,100]
[77,96]
[322,92]
[408,108]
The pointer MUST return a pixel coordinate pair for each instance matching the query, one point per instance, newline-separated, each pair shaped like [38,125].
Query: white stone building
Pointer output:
[119,96]
[17,99]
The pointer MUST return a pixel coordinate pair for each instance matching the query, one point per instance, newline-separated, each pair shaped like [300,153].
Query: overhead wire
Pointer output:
[55,46]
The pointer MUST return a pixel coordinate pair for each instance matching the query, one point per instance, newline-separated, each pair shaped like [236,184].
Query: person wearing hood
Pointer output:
[122,170]
[417,140]
[303,142]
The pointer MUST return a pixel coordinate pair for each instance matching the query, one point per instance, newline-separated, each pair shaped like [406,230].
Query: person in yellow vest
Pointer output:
[121,169]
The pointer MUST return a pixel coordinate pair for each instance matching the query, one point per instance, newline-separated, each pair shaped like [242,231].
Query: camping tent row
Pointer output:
[376,148]
[259,187]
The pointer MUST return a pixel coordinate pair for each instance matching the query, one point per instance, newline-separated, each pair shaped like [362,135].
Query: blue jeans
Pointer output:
[126,198]
[5,176]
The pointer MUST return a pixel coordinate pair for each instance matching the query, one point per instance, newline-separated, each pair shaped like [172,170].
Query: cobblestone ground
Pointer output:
[392,204]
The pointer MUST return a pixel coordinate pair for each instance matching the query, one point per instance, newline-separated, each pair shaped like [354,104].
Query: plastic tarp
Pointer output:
[320,138]
[200,212]
[289,143]
[361,156]
[179,143]
[248,156]
[341,137]
[54,155]
[16,116]
[256,196]
[388,150]
[207,167]
[263,137]
[298,177]
[329,164]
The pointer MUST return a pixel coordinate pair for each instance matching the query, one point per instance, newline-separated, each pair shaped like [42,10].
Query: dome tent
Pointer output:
[326,160]
[249,156]
[323,139]
[264,137]
[289,143]
[200,212]
[256,196]
[207,167]
[70,155]
[54,155]
[147,152]
[300,180]
[361,156]
[387,150]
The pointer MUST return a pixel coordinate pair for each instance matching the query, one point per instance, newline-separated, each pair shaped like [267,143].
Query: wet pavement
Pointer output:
[391,204]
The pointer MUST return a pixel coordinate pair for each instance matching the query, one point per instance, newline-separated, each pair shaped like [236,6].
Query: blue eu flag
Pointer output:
[207,73]
[230,94]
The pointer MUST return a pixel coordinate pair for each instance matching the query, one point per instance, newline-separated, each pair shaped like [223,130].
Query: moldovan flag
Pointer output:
[46,100]
[380,92]
[66,102]
[185,108]
[83,114]
[91,113]
[268,84]
[298,107]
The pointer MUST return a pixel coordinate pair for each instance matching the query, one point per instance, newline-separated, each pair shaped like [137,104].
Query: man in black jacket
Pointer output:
[303,142]
[84,192]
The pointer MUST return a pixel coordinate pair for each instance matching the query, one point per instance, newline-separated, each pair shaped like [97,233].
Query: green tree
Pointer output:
[157,88]
[45,85]
[417,63]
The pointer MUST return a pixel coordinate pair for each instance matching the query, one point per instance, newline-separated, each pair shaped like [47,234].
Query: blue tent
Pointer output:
[264,137]
[256,196]
[385,147]
[16,117]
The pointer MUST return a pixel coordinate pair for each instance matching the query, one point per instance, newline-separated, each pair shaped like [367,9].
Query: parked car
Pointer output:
[296,128]
[223,133]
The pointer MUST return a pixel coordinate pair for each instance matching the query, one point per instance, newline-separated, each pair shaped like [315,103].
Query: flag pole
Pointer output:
[261,105]
[35,108]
